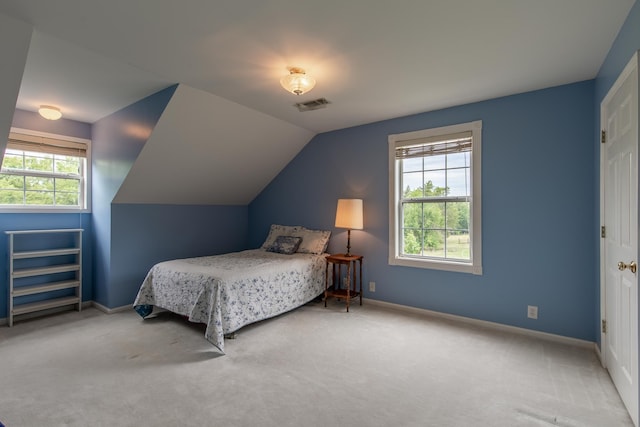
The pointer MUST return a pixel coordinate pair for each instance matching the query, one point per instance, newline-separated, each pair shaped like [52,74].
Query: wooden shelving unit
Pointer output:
[48,282]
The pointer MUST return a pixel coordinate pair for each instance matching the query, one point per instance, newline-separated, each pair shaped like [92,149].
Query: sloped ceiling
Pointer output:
[85,85]
[231,127]
[208,150]
[15,37]
[373,60]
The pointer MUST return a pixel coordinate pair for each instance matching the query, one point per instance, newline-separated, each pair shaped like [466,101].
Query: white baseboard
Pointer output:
[484,323]
[424,312]
[599,354]
[111,310]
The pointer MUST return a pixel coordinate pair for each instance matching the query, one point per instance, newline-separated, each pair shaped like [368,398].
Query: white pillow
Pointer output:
[313,241]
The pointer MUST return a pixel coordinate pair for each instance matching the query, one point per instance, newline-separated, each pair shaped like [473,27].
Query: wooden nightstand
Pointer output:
[353,277]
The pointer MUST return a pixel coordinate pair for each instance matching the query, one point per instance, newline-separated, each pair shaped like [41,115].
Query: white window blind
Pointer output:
[40,144]
[434,146]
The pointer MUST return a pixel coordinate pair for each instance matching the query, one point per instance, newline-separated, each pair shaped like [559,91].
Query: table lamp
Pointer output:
[349,216]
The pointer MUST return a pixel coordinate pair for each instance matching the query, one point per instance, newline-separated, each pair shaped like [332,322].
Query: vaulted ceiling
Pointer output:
[206,150]
[373,60]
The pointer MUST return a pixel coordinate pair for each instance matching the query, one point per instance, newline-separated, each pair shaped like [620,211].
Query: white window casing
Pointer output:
[28,141]
[420,145]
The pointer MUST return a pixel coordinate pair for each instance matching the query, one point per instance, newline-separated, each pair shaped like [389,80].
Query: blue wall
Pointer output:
[33,121]
[537,199]
[122,241]
[130,238]
[540,205]
[23,221]
[146,234]
[625,45]
[115,149]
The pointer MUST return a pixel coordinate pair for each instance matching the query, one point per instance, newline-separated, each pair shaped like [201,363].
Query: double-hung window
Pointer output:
[44,172]
[434,194]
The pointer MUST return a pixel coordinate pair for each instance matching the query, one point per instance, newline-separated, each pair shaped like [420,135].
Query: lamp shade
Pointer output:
[349,214]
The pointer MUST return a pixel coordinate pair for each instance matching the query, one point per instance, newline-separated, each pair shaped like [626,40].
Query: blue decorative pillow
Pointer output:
[280,230]
[285,245]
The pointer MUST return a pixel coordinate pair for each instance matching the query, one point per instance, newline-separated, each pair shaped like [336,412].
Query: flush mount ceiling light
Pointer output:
[297,81]
[49,112]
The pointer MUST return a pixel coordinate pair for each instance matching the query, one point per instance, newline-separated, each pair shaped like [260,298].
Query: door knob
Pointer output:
[631,266]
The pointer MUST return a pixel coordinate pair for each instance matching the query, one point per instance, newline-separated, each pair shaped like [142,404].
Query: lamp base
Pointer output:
[348,243]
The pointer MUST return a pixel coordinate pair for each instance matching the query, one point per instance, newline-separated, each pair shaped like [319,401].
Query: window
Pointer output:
[41,172]
[434,194]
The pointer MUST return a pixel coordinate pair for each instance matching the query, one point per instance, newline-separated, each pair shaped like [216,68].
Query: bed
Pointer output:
[229,291]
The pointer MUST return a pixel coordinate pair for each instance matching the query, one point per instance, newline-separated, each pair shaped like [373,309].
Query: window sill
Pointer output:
[48,210]
[457,267]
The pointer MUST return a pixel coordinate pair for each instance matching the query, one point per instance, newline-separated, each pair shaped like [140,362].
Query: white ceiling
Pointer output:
[373,60]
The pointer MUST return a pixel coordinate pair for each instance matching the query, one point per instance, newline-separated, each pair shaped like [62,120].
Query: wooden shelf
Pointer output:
[47,253]
[39,271]
[43,305]
[46,231]
[19,288]
[48,287]
[342,293]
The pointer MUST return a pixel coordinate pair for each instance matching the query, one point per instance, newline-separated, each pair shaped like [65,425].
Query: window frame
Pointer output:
[85,181]
[474,266]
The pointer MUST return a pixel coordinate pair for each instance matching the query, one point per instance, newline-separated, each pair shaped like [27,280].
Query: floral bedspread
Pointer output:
[227,292]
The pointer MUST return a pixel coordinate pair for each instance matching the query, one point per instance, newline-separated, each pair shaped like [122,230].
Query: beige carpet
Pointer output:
[311,367]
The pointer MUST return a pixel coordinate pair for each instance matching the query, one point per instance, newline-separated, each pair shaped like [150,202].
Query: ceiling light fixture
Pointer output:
[49,112]
[297,81]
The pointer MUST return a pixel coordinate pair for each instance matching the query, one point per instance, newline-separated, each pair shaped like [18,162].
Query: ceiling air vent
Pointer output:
[312,105]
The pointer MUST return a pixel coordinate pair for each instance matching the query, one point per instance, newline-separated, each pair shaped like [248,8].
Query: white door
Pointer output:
[619,119]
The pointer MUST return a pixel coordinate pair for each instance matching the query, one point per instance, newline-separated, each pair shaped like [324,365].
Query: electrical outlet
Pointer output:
[532,311]
[372,286]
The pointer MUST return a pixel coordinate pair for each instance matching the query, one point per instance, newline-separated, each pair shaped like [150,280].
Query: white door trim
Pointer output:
[621,78]
[629,68]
